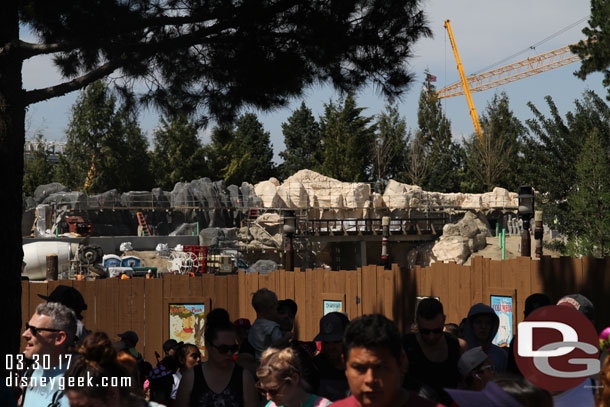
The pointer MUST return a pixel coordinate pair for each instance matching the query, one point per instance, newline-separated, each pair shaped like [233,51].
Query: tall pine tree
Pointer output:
[105,134]
[589,200]
[178,155]
[390,147]
[444,155]
[347,140]
[303,142]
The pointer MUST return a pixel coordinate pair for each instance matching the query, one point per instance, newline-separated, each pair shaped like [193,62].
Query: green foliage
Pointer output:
[589,200]
[230,54]
[443,155]
[303,142]
[241,153]
[390,145]
[555,245]
[178,155]
[555,144]
[38,170]
[347,140]
[496,158]
[595,49]
[109,136]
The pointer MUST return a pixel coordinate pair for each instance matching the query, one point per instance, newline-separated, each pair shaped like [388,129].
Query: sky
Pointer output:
[486,31]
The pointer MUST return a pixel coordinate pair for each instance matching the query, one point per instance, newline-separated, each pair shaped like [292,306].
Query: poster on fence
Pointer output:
[503,307]
[332,306]
[187,324]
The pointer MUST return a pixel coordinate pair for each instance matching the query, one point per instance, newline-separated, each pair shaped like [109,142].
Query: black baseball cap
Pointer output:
[68,296]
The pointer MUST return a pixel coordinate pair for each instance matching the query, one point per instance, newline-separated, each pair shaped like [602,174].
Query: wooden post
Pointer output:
[52,267]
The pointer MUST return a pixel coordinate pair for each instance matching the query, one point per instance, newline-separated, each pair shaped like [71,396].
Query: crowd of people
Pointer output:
[365,362]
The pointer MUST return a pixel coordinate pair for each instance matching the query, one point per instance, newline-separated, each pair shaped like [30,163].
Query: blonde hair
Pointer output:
[278,363]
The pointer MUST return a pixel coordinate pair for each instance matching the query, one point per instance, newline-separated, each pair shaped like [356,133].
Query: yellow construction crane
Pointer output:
[501,76]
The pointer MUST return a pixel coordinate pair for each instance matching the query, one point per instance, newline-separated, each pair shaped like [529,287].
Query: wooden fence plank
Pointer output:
[300,295]
[154,323]
[289,285]
[90,317]
[221,291]
[232,296]
[137,311]
[243,299]
[252,286]
[369,290]
[36,289]
[125,309]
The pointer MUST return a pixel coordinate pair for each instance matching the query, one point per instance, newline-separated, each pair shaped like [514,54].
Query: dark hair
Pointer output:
[97,364]
[372,331]
[535,301]
[217,321]
[429,308]
[524,392]
[181,352]
[288,305]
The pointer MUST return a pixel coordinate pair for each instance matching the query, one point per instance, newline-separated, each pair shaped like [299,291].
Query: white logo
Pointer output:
[568,343]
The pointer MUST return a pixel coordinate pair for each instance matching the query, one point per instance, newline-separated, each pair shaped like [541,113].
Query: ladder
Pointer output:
[143,224]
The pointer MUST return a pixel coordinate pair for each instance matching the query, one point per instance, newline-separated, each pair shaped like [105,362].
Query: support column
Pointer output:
[362,253]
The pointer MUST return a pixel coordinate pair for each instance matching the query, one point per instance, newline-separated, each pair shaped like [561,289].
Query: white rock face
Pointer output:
[267,192]
[307,187]
[293,194]
[451,248]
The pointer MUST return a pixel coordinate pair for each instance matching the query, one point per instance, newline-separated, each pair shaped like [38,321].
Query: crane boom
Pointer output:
[513,72]
[464,83]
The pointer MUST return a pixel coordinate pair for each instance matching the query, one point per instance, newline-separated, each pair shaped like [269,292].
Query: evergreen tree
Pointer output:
[38,170]
[241,153]
[390,147]
[444,157]
[303,142]
[106,137]
[178,154]
[589,200]
[594,51]
[554,145]
[496,158]
[418,160]
[347,140]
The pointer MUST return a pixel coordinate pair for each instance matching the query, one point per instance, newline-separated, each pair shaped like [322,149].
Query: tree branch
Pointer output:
[38,95]
[28,49]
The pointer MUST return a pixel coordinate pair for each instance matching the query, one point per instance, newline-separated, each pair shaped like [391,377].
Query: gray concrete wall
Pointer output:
[111,244]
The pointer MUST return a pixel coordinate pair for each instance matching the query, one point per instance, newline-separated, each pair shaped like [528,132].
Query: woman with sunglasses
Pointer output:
[218,381]
[280,380]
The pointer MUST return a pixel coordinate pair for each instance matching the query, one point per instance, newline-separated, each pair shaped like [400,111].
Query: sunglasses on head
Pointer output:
[34,330]
[425,331]
[226,348]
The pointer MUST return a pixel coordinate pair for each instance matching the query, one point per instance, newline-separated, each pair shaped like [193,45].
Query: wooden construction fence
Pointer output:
[142,305]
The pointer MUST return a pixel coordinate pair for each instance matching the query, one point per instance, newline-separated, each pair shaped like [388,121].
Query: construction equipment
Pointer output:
[501,76]
[77,225]
[466,91]
[145,231]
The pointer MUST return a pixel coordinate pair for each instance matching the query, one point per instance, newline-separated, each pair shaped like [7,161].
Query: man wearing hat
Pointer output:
[73,299]
[476,369]
[333,383]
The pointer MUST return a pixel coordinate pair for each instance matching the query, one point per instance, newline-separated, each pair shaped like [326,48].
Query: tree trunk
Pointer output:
[12,120]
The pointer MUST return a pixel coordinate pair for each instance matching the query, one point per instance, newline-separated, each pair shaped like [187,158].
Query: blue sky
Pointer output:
[486,31]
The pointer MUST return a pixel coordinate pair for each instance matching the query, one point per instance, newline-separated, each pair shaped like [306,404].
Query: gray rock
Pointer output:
[181,195]
[468,225]
[136,199]
[161,198]
[234,196]
[185,229]
[479,242]
[73,200]
[43,191]
[262,267]
[210,236]
[249,198]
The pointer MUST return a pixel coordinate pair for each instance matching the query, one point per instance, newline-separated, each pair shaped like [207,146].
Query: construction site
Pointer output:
[308,221]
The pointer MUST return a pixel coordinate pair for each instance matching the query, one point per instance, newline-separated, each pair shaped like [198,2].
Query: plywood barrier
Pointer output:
[139,304]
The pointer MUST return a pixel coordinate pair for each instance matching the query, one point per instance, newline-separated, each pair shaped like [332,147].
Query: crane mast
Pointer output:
[473,111]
